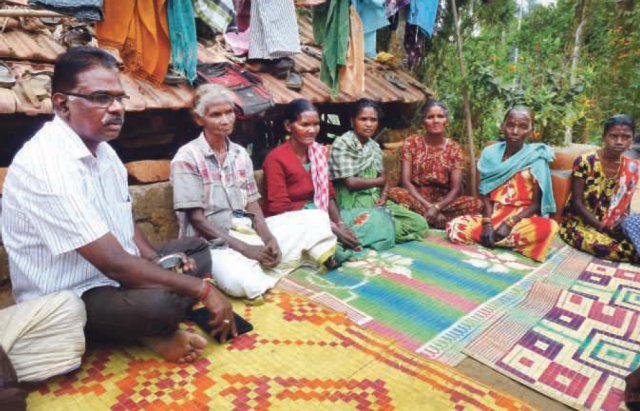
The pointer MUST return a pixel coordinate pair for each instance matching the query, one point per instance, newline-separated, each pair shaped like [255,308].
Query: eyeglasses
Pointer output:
[102,100]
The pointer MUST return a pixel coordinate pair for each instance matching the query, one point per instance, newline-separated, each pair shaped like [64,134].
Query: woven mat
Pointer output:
[300,357]
[433,296]
[575,337]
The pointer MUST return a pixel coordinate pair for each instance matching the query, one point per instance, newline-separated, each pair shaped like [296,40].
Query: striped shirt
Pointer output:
[57,198]
[199,181]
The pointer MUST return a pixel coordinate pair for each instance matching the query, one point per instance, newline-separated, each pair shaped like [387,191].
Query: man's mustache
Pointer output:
[108,120]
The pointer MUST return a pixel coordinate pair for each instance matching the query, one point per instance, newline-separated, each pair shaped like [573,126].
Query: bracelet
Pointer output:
[486,220]
[436,206]
[205,290]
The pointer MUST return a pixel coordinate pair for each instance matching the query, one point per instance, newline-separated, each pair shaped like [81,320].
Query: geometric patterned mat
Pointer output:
[300,356]
[431,296]
[575,337]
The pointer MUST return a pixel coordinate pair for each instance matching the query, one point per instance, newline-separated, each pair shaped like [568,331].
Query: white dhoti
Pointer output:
[303,236]
[44,337]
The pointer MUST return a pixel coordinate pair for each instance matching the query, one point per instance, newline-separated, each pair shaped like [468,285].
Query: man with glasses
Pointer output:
[67,222]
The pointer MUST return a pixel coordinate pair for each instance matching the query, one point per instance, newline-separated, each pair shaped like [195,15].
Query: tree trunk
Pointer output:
[465,98]
[575,58]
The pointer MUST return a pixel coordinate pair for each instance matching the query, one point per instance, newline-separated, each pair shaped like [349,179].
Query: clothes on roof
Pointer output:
[274,29]
[414,45]
[184,43]
[373,16]
[215,13]
[392,7]
[138,29]
[422,13]
[352,73]
[82,9]
[331,29]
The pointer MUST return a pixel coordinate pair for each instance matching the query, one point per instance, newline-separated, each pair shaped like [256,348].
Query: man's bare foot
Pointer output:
[181,347]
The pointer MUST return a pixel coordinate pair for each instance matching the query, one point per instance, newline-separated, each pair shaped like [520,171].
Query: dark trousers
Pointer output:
[125,314]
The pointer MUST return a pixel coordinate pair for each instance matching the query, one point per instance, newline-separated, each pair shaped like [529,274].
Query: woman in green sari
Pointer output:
[356,168]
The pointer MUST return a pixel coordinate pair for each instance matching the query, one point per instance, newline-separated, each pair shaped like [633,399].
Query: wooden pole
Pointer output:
[28,13]
[465,98]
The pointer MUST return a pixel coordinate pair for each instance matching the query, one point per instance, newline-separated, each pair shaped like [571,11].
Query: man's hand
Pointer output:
[221,321]
[346,236]
[188,264]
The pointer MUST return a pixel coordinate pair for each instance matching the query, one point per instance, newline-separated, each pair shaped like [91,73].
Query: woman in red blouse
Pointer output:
[431,174]
[296,176]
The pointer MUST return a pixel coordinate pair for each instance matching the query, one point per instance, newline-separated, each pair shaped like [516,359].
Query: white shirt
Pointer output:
[57,198]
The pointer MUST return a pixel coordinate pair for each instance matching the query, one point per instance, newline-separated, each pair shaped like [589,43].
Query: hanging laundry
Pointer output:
[184,43]
[238,41]
[414,45]
[392,7]
[422,13]
[352,73]
[273,29]
[81,9]
[139,30]
[373,16]
[216,13]
[331,29]
[243,14]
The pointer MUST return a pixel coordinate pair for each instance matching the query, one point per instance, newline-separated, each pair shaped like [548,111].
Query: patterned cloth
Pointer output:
[531,237]
[200,181]
[431,169]
[216,13]
[631,229]
[626,185]
[348,156]
[597,195]
[494,171]
[319,175]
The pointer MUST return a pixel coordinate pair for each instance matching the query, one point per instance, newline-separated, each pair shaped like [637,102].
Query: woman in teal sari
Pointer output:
[356,168]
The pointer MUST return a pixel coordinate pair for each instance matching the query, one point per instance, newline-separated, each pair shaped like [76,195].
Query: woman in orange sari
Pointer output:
[515,187]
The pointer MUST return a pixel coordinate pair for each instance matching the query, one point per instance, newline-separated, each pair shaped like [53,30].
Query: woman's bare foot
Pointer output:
[181,347]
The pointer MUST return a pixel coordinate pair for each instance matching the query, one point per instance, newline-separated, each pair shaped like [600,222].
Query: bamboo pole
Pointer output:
[28,13]
[465,98]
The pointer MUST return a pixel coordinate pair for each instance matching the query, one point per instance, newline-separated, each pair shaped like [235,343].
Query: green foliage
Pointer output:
[607,79]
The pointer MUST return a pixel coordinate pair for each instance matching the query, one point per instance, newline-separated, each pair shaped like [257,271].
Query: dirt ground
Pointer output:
[486,375]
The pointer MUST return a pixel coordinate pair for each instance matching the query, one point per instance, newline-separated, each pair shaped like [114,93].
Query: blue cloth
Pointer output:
[85,9]
[422,13]
[631,229]
[184,43]
[494,171]
[373,16]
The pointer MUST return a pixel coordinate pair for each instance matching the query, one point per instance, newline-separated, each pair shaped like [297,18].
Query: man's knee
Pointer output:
[69,307]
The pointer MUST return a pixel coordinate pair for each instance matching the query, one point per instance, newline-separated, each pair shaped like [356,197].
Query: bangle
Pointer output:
[205,290]
[436,206]
[486,220]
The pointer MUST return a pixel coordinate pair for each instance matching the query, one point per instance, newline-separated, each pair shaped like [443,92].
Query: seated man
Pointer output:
[67,222]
